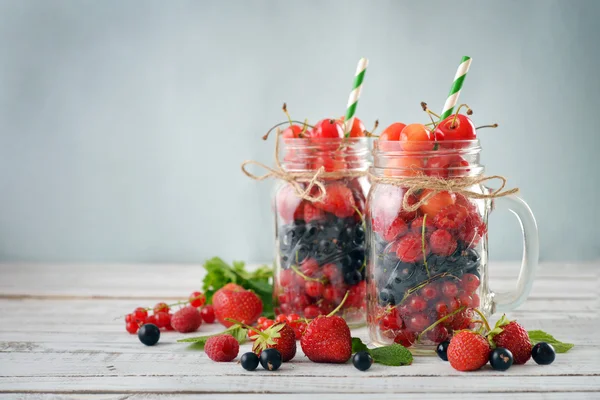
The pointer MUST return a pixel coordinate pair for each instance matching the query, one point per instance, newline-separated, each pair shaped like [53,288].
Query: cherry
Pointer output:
[449,289]
[404,166]
[437,202]
[208,314]
[314,288]
[328,129]
[416,303]
[416,137]
[358,128]
[197,299]
[456,127]
[469,282]
[405,338]
[330,164]
[132,327]
[161,307]
[292,132]
[444,166]
[392,132]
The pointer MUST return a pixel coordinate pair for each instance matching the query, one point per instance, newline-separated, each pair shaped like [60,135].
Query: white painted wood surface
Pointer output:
[59,339]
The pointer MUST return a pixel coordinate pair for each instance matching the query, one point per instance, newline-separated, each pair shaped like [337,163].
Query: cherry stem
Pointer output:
[423,246]
[303,131]
[484,319]
[339,307]
[370,134]
[439,321]
[469,112]
[266,135]
[287,114]
[487,126]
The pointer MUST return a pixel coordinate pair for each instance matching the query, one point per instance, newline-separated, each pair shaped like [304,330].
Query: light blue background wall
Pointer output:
[123,123]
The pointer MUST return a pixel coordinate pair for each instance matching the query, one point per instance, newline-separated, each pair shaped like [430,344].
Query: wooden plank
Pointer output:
[269,382]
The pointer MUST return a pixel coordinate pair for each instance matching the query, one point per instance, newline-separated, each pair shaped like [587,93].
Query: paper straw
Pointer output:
[355,95]
[459,78]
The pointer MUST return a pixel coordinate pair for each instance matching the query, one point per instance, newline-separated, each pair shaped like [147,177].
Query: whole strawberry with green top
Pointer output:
[280,337]
[327,339]
[234,302]
[512,336]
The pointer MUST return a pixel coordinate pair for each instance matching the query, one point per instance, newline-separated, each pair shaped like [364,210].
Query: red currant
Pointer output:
[162,319]
[260,320]
[294,320]
[161,307]
[469,282]
[132,327]
[449,289]
[130,318]
[197,299]
[332,272]
[314,288]
[416,303]
[208,314]
[140,314]
[418,322]
[475,300]
[267,324]
[391,321]
[464,299]
[286,277]
[438,334]
[281,318]
[311,311]
[441,307]
[151,320]
[405,338]
[310,267]
[429,292]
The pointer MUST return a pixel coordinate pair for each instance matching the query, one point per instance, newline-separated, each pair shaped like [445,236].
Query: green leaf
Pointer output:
[394,355]
[198,342]
[358,345]
[538,336]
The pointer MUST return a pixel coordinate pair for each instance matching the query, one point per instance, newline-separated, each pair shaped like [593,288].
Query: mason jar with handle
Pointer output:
[427,233]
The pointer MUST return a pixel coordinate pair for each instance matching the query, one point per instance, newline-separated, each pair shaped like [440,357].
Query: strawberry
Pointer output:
[280,337]
[514,338]
[188,319]
[327,340]
[338,200]
[468,351]
[234,302]
[222,348]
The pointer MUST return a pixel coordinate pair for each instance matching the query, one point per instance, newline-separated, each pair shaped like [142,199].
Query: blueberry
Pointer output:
[352,277]
[270,359]
[501,359]
[359,235]
[149,334]
[249,361]
[344,262]
[358,258]
[442,350]
[362,360]
[386,296]
[543,353]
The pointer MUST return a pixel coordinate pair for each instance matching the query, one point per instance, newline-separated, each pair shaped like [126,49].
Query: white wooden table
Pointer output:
[59,339]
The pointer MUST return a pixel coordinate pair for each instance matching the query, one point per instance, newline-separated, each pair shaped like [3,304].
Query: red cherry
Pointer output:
[392,132]
[405,338]
[416,303]
[328,129]
[437,202]
[208,314]
[444,166]
[358,128]
[197,299]
[449,289]
[469,282]
[292,132]
[416,137]
[460,129]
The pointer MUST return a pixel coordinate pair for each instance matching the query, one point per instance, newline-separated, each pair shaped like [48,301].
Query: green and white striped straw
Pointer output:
[459,78]
[355,95]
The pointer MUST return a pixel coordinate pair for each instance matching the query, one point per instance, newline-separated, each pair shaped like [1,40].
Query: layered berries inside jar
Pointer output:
[427,247]
[321,228]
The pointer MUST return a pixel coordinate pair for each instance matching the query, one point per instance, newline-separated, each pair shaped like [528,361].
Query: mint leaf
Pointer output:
[198,342]
[394,355]
[538,336]
[358,345]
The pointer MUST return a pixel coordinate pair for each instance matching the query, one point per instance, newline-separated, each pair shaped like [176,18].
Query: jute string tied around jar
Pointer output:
[436,185]
[296,179]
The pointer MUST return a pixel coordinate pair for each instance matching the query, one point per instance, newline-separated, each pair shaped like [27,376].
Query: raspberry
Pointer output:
[188,319]
[442,243]
[338,200]
[312,213]
[451,217]
[197,299]
[410,248]
[417,226]
[222,348]
[396,229]
[473,229]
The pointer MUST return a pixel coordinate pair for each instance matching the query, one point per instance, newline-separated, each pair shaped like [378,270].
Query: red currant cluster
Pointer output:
[297,323]
[160,315]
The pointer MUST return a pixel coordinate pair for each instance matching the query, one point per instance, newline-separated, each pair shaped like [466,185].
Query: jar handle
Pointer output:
[503,302]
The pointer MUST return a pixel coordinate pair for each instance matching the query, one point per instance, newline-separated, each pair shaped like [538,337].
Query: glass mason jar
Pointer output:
[427,268]
[320,245]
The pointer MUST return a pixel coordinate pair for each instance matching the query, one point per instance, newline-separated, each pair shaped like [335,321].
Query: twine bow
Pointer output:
[436,185]
[296,179]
